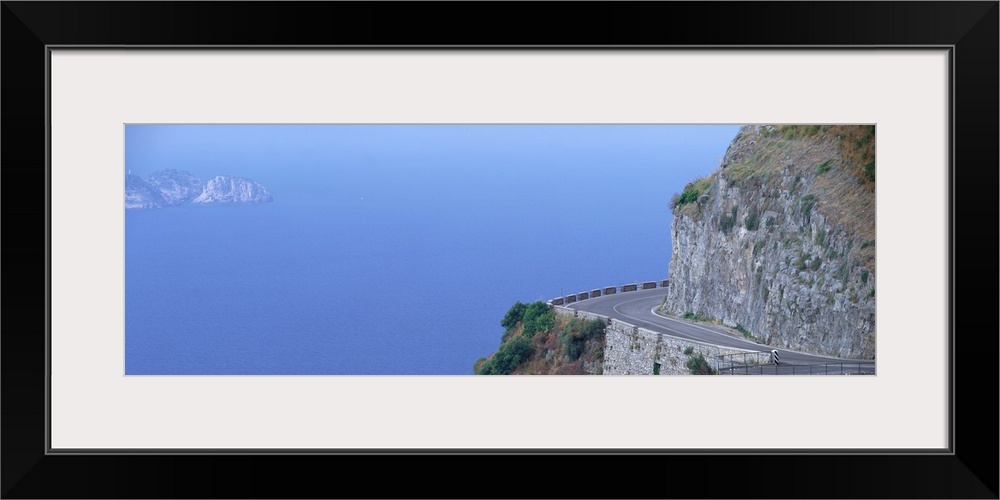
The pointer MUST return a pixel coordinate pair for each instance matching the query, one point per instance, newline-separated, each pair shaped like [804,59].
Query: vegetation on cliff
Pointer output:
[842,181]
[698,365]
[538,342]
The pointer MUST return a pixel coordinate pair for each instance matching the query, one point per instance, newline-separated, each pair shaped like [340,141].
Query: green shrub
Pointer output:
[572,346]
[808,202]
[816,262]
[824,167]
[571,340]
[699,366]
[574,336]
[696,317]
[690,195]
[751,223]
[693,190]
[864,277]
[513,316]
[870,171]
[803,258]
[821,237]
[508,357]
[843,272]
[742,329]
[727,223]
[593,328]
[688,350]
[538,318]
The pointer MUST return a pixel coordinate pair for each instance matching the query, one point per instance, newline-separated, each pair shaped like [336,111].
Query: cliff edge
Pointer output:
[779,242]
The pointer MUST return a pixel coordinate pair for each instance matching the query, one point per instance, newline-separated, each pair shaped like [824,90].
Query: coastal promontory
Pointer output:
[167,188]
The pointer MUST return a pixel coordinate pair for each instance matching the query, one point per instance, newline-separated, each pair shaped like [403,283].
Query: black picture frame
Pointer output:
[968,470]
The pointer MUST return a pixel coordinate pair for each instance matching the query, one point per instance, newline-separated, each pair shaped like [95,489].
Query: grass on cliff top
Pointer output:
[539,342]
[856,143]
[845,192]
[857,149]
[762,166]
[692,191]
[833,167]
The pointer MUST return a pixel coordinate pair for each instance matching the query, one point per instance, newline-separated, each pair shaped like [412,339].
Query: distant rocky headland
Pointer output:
[167,188]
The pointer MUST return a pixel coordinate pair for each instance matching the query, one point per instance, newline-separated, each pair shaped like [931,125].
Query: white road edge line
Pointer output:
[765,347]
[615,309]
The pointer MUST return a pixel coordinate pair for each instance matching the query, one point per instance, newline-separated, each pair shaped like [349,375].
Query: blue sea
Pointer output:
[389,249]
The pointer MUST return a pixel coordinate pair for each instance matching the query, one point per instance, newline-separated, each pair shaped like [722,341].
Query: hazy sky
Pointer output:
[291,160]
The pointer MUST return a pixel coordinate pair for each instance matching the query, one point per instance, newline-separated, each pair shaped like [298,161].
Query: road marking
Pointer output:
[615,308]
[653,311]
[765,348]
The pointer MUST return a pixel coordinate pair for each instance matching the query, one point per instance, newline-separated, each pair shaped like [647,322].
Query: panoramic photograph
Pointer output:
[500,249]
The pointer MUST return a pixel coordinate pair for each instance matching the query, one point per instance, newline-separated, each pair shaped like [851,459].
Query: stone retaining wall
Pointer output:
[631,350]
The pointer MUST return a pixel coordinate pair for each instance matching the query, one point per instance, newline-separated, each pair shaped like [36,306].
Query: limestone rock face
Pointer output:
[141,195]
[224,189]
[176,186]
[780,240]
[166,188]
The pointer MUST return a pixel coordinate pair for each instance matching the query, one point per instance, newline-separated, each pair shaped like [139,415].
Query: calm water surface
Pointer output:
[389,249]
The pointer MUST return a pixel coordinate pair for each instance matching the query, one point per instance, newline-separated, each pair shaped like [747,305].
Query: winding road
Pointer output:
[637,308]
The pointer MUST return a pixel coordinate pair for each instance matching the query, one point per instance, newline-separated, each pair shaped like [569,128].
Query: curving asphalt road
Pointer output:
[637,308]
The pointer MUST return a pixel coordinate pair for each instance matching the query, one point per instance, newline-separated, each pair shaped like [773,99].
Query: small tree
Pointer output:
[699,366]
[594,328]
[508,357]
[513,316]
[538,318]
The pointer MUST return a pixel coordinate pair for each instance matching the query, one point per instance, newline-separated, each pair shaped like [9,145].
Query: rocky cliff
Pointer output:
[166,188]
[779,242]
[223,189]
[140,194]
[176,186]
